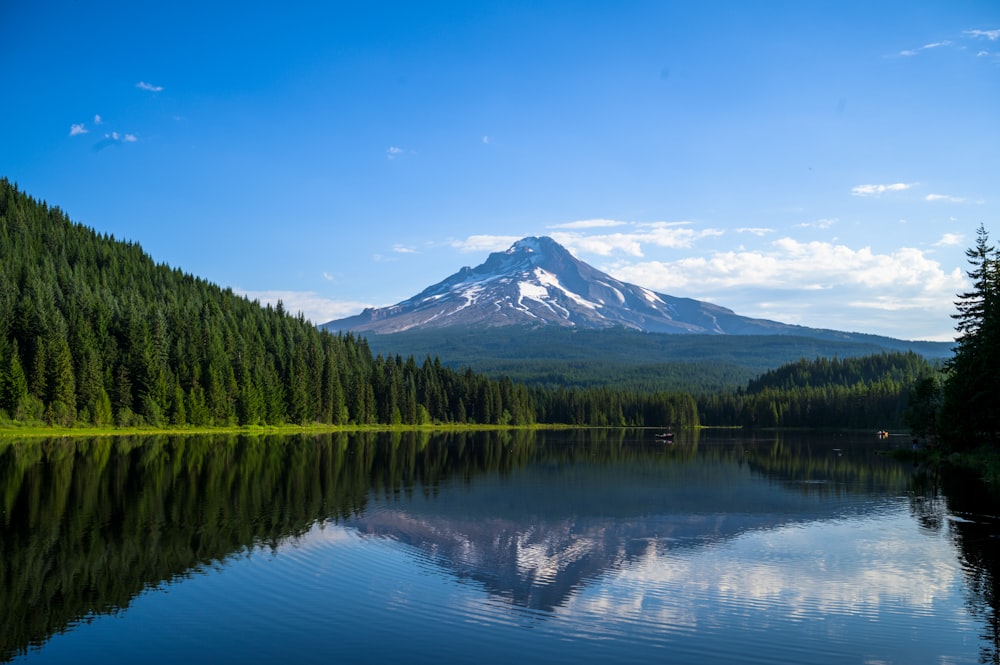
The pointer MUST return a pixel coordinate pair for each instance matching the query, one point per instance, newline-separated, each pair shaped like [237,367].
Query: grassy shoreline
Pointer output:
[48,431]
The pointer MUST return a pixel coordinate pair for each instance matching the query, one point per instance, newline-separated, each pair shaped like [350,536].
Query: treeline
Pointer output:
[606,407]
[871,392]
[92,331]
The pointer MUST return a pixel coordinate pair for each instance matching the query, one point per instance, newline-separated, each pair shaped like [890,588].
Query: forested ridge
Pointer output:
[853,393]
[92,331]
[632,360]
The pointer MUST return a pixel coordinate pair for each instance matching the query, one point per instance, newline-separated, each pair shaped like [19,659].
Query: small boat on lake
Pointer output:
[666,436]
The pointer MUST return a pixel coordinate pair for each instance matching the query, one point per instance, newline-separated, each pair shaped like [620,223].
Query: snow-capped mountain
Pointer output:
[537,282]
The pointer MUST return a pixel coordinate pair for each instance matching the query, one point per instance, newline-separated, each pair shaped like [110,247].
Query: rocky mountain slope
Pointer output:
[538,283]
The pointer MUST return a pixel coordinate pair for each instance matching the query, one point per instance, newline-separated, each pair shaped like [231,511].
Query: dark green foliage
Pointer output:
[924,407]
[93,332]
[971,393]
[855,393]
[89,525]
[631,360]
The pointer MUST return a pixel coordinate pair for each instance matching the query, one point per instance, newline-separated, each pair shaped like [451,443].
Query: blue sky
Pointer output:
[820,163]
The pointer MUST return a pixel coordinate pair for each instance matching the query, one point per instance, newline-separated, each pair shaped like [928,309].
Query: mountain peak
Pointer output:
[537,282]
[532,244]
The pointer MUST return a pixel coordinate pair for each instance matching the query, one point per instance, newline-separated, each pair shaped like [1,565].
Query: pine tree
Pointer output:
[13,384]
[972,388]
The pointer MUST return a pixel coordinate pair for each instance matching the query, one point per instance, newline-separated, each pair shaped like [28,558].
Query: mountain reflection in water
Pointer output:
[540,532]
[532,518]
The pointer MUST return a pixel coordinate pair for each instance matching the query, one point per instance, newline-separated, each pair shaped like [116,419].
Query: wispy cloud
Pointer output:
[587,224]
[675,235]
[925,47]
[819,223]
[876,190]
[630,242]
[484,243]
[110,138]
[403,249]
[315,307]
[776,282]
[950,240]
[903,293]
[992,35]
[755,230]
[394,152]
[944,197]
[115,138]
[142,85]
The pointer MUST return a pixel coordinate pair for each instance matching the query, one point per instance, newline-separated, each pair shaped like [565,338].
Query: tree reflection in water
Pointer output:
[87,525]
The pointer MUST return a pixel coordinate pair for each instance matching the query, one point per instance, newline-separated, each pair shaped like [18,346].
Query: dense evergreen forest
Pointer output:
[871,392]
[92,331]
[632,360]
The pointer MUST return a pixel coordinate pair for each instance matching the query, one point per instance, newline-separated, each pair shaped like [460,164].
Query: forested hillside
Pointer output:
[92,331]
[631,360]
[854,393]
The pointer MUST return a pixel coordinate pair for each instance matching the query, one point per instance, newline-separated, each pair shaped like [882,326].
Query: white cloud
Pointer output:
[393,152]
[876,190]
[819,223]
[484,243]
[602,245]
[992,35]
[486,139]
[674,235]
[98,120]
[757,231]
[328,277]
[950,240]
[142,85]
[902,293]
[130,138]
[944,197]
[402,249]
[76,130]
[587,224]
[816,283]
[315,307]
[925,47]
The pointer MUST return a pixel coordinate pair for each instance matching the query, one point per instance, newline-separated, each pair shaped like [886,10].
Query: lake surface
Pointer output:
[590,546]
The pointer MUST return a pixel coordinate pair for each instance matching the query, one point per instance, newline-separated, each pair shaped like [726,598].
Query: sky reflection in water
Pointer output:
[709,555]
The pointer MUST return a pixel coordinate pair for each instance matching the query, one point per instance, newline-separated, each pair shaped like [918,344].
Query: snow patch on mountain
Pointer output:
[547,279]
[536,282]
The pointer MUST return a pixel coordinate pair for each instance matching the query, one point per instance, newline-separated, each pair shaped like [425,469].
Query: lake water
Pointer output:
[574,546]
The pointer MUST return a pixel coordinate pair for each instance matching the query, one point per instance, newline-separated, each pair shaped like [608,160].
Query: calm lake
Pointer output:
[581,546]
